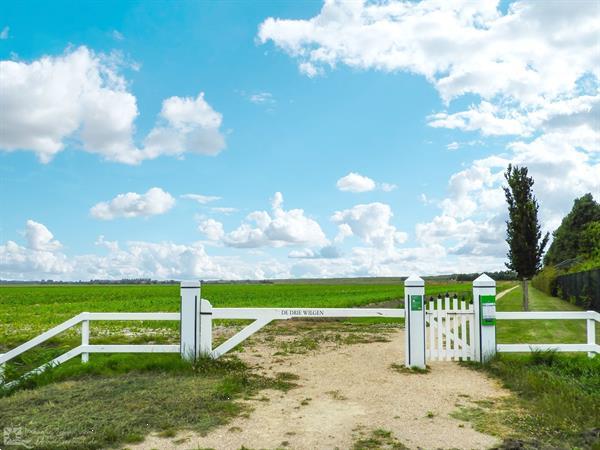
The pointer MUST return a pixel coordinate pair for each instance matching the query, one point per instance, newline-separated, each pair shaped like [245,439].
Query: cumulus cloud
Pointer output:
[4,33]
[212,229]
[81,96]
[534,50]
[534,73]
[42,258]
[40,238]
[187,125]
[355,182]
[152,203]
[277,228]
[371,223]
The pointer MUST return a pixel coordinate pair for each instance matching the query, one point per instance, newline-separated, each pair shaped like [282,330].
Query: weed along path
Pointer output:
[347,394]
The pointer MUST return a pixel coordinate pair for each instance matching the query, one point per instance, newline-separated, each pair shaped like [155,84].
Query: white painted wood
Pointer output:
[591,334]
[485,335]
[441,352]
[190,319]
[306,313]
[239,337]
[415,323]
[127,348]
[55,362]
[85,339]
[471,321]
[464,349]
[205,345]
[40,339]
[546,315]
[447,337]
[432,330]
[121,316]
[521,348]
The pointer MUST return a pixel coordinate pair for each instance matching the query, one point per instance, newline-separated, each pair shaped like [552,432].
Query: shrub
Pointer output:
[545,280]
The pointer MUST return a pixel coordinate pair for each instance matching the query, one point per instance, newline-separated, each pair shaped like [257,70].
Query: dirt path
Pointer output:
[503,293]
[345,393]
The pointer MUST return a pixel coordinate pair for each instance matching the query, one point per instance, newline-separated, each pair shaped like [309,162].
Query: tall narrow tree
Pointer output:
[523,231]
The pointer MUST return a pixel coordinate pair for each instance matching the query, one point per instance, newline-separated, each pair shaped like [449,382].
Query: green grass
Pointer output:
[119,399]
[557,401]
[539,331]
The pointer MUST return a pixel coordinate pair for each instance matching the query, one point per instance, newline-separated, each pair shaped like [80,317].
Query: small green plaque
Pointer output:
[416,303]
[488,309]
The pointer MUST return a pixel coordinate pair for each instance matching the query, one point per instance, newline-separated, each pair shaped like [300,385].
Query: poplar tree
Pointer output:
[523,230]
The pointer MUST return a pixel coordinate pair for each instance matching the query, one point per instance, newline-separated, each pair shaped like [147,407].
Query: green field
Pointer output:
[539,331]
[26,311]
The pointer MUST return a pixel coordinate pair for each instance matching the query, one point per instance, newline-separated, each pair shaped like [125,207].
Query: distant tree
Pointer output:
[523,230]
[572,238]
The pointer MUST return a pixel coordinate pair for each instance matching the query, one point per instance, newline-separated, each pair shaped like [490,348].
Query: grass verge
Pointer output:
[557,401]
[121,398]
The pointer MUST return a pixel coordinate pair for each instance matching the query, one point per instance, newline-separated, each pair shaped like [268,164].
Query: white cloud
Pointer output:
[355,182]
[535,50]
[81,97]
[4,33]
[276,229]
[136,259]
[154,202]
[534,68]
[188,125]
[212,229]
[371,223]
[117,35]
[40,238]
[202,199]
[388,187]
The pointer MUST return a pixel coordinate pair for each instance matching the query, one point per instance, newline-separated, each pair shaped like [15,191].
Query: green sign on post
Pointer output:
[488,309]
[416,302]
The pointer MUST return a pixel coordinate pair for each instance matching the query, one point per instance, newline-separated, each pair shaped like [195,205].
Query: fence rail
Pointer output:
[591,317]
[456,329]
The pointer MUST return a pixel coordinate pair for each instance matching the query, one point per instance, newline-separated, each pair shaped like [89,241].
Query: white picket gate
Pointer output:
[451,330]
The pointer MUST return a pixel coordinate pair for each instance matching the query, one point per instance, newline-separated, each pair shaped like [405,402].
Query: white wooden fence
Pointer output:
[456,330]
[451,329]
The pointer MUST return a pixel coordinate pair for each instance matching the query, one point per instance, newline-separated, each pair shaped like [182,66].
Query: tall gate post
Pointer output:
[414,298]
[484,304]
[189,320]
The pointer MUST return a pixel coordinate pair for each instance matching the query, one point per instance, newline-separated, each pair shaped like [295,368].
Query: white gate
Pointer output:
[450,334]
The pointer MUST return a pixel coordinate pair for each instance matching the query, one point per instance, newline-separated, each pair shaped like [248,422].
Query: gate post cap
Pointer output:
[414,280]
[190,284]
[484,281]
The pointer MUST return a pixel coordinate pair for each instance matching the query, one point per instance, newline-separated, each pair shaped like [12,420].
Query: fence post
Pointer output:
[591,334]
[484,304]
[189,324]
[205,347]
[85,339]
[414,298]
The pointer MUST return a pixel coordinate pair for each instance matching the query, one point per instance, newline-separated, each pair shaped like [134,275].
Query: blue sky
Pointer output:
[410,98]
